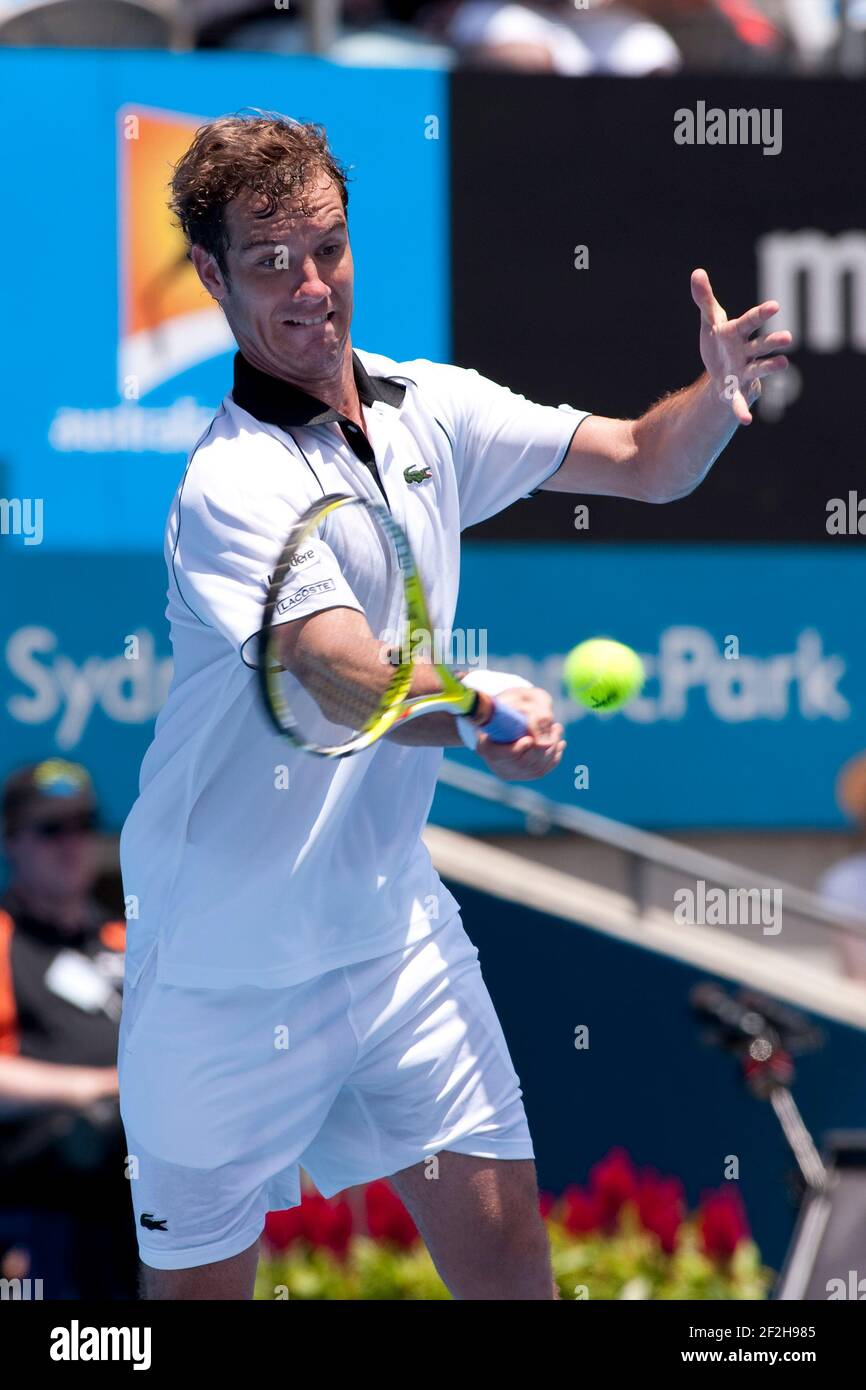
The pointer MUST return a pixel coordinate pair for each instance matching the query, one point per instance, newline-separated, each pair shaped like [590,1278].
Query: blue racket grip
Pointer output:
[505,725]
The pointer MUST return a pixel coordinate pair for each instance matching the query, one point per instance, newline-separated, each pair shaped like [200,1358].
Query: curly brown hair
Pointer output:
[264,153]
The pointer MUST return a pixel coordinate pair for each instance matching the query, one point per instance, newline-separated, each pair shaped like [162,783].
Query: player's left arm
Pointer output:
[669,450]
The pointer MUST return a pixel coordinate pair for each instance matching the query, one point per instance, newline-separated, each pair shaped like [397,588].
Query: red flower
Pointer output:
[546,1203]
[327,1221]
[661,1205]
[318,1220]
[283,1228]
[613,1182]
[580,1211]
[387,1218]
[722,1222]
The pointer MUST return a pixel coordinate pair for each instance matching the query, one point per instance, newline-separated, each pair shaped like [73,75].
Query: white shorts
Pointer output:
[226,1094]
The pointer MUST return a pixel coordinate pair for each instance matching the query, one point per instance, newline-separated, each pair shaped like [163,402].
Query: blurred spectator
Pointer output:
[64,1198]
[631,38]
[845,881]
[542,35]
[556,36]
[719,35]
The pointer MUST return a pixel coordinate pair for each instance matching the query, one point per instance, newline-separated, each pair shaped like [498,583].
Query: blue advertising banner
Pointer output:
[118,357]
[756,662]
[86,666]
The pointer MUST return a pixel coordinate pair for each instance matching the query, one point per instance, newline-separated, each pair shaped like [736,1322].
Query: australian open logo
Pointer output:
[167,323]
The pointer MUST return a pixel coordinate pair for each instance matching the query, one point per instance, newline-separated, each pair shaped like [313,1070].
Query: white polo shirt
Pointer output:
[246,860]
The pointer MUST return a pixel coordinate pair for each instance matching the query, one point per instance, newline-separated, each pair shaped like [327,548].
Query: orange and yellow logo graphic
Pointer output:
[167,321]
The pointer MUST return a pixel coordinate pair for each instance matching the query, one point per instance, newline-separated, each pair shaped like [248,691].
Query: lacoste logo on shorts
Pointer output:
[153,1223]
[322,586]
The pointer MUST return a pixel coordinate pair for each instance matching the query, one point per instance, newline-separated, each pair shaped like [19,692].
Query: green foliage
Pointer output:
[371,1270]
[631,1264]
[627,1264]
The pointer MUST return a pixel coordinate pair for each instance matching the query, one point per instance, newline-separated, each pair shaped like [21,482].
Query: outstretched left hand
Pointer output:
[734,359]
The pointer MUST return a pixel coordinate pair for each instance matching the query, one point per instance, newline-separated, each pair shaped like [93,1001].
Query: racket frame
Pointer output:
[395,706]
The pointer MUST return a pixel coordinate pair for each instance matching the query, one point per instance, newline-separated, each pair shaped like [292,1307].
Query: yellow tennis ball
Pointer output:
[602,674]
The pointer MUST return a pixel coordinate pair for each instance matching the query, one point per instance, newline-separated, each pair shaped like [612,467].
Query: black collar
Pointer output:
[280,403]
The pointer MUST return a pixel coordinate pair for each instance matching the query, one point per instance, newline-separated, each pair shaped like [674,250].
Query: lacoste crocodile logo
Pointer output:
[416,475]
[153,1223]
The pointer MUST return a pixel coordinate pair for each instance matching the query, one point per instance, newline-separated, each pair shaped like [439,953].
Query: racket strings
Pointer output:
[341,703]
[350,702]
[340,697]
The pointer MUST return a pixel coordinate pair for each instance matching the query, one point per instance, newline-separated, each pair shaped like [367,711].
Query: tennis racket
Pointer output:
[357,717]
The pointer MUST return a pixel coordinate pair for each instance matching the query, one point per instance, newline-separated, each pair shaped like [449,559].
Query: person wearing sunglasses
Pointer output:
[63,1194]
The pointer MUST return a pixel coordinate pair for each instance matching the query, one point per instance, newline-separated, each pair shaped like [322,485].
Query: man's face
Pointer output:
[295,265]
[54,854]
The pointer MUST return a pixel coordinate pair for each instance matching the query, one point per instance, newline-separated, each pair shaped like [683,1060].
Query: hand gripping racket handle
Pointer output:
[505,725]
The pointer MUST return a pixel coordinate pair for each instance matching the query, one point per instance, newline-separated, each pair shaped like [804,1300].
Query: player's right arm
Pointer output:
[333,652]
[338,661]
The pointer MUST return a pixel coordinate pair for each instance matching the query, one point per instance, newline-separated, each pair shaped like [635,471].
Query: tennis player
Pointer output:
[300,991]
